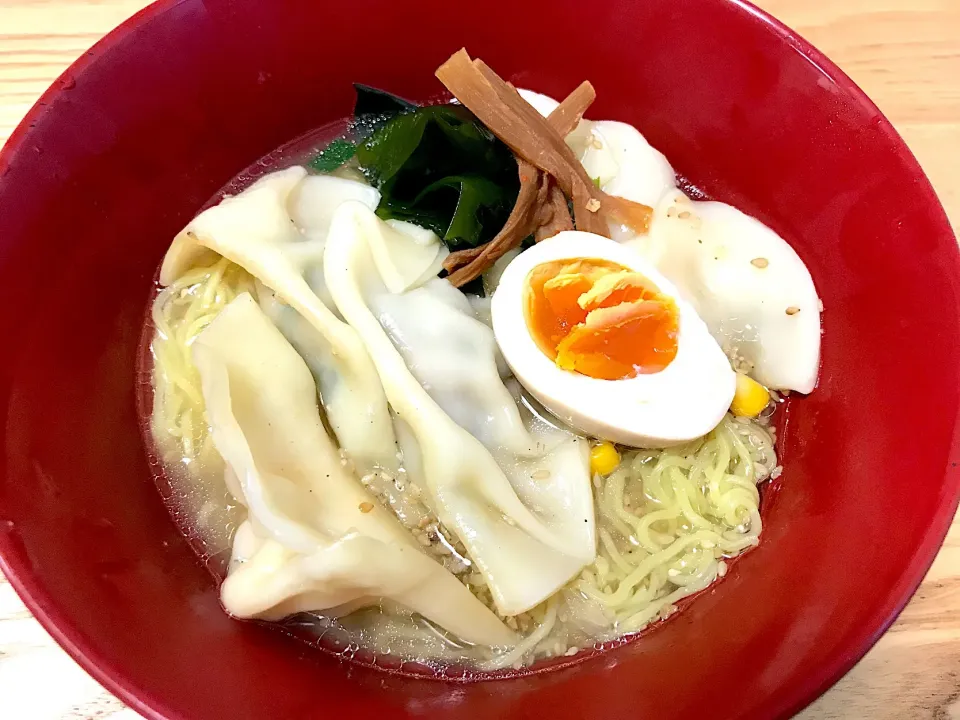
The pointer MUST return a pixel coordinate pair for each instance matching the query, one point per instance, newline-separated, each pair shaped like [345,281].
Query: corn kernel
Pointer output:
[604,459]
[750,397]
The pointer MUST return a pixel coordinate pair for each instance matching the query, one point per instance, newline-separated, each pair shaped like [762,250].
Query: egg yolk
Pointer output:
[600,319]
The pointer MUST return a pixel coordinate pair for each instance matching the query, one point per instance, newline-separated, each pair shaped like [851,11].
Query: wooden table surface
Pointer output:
[904,53]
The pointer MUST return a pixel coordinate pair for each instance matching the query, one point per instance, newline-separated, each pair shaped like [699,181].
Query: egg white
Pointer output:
[682,402]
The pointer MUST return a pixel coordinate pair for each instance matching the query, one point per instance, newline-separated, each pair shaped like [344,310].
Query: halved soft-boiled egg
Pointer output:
[606,343]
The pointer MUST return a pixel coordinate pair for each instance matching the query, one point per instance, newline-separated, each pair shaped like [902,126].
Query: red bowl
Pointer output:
[140,132]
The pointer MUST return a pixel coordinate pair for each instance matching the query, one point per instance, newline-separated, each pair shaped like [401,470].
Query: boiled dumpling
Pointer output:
[746,282]
[454,356]
[311,204]
[315,198]
[253,216]
[314,539]
[525,552]
[255,230]
[271,582]
[406,254]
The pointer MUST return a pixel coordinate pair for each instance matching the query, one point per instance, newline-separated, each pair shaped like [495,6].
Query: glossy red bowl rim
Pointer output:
[45,608]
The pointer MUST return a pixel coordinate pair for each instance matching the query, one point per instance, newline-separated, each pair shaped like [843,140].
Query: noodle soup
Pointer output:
[352,405]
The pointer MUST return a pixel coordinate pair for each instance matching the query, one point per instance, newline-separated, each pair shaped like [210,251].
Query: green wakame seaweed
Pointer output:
[436,166]
[439,167]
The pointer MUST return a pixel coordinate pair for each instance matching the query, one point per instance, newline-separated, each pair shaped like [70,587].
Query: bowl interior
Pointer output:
[141,132]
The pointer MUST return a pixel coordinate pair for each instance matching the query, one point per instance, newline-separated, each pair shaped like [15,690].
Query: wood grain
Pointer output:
[904,53]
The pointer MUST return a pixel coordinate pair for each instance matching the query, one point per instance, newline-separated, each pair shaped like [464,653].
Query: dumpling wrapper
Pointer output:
[314,540]
[311,205]
[453,356]
[745,281]
[524,556]
[256,230]
[315,198]
[407,255]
